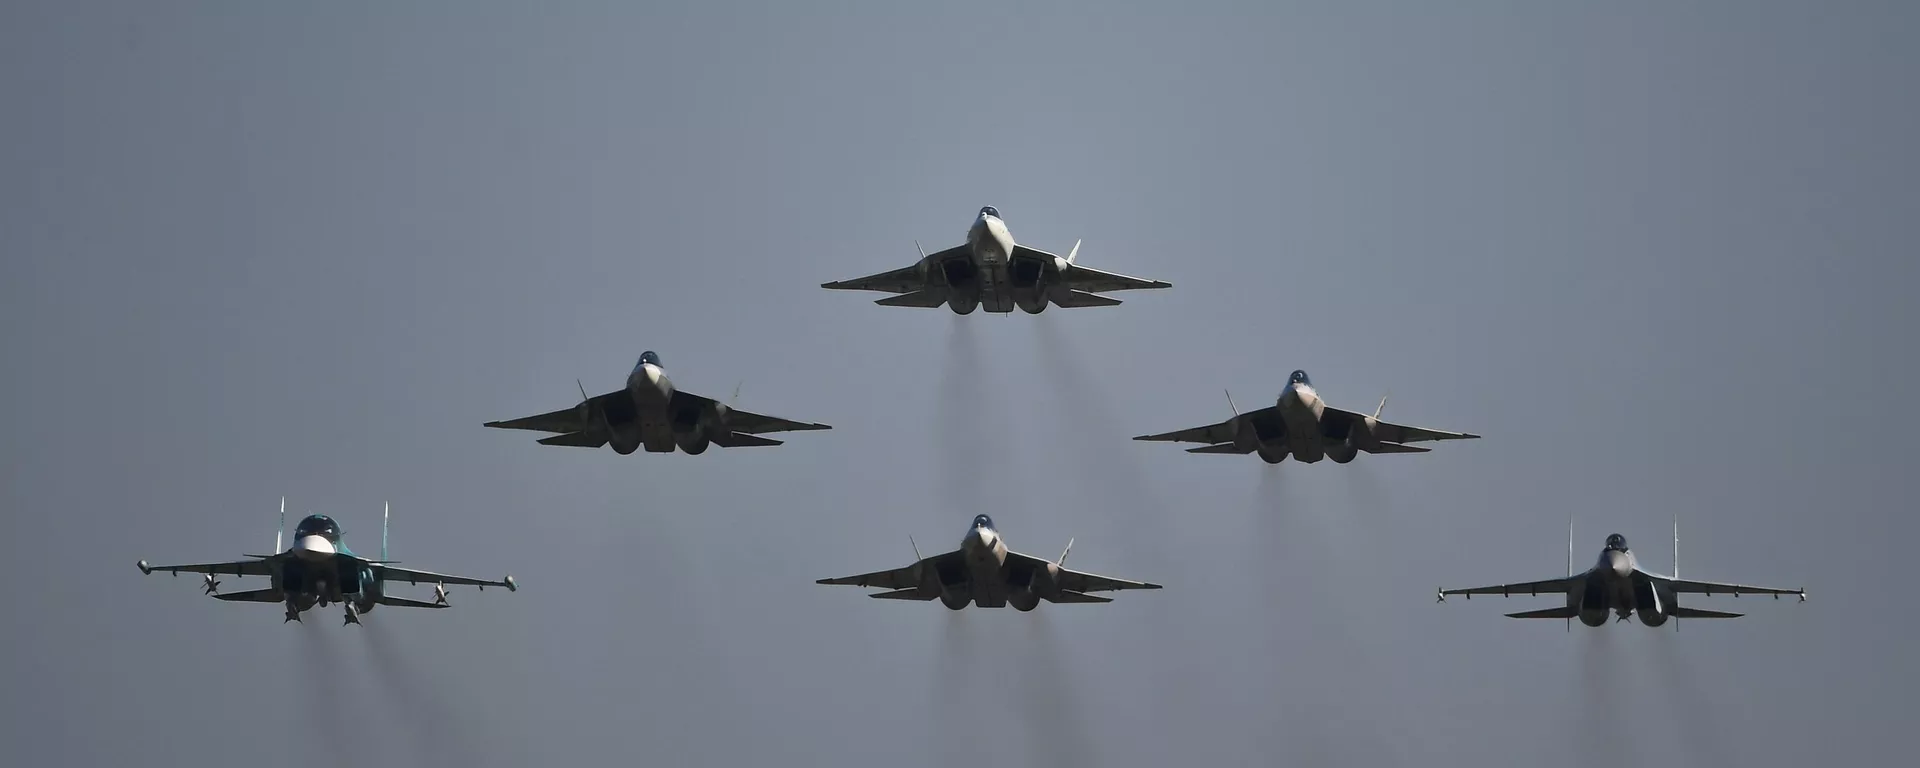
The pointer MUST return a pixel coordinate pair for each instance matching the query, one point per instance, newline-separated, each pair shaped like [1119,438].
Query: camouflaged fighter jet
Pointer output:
[984,572]
[993,272]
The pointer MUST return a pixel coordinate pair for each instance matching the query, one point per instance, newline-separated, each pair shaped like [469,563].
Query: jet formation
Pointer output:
[319,570]
[988,271]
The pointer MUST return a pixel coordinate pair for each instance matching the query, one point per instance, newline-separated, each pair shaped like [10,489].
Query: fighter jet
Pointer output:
[993,272]
[989,575]
[651,413]
[320,570]
[1300,424]
[1616,583]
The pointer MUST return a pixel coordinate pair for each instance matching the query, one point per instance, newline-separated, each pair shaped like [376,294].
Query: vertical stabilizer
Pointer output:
[283,525]
[1063,554]
[1383,402]
[1381,407]
[1230,405]
[1676,562]
[1073,253]
[386,509]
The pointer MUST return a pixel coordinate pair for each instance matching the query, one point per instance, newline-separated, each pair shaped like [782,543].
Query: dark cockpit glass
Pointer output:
[982,521]
[1617,543]
[990,211]
[649,358]
[1299,377]
[317,525]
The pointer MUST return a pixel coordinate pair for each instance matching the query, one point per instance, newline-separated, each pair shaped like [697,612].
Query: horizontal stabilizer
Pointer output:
[1220,448]
[1701,613]
[905,594]
[916,299]
[1562,612]
[254,596]
[576,440]
[1386,447]
[1072,298]
[741,440]
[402,602]
[1079,597]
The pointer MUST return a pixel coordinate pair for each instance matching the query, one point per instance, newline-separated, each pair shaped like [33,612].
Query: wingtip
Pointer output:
[1152,586]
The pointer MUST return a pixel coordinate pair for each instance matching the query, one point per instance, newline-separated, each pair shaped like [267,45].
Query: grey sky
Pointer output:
[1660,255]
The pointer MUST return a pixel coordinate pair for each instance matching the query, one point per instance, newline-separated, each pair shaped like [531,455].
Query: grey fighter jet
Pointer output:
[1617,584]
[320,570]
[650,413]
[1300,424]
[990,271]
[983,571]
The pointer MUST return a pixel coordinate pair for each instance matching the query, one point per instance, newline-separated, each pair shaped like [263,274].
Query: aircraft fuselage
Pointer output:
[1300,408]
[1610,587]
[986,556]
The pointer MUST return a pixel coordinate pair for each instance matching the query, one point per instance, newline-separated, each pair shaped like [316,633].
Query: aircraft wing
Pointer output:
[1557,586]
[1223,432]
[899,578]
[902,280]
[1686,586]
[1388,432]
[746,422]
[1093,280]
[396,574]
[259,566]
[1088,279]
[906,279]
[1077,581]
[565,420]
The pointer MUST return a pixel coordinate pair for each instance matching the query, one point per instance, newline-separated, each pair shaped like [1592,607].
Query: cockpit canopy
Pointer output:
[990,211]
[1617,543]
[317,525]
[647,358]
[982,521]
[1299,377]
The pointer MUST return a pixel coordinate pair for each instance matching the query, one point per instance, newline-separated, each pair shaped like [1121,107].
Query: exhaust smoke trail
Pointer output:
[1602,732]
[958,697]
[1696,729]
[1050,700]
[321,686]
[965,424]
[1093,430]
[429,725]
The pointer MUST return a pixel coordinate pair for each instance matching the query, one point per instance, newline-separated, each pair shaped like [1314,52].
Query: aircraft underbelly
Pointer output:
[1303,429]
[996,288]
[983,569]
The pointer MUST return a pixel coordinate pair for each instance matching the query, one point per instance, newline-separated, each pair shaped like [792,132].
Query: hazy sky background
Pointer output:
[1660,255]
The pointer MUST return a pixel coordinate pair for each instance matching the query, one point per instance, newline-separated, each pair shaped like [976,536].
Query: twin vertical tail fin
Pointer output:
[1063,554]
[1230,405]
[1073,253]
[283,525]
[1383,404]
[1381,407]
[386,509]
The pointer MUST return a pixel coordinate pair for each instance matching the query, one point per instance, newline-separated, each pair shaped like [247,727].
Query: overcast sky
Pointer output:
[1660,255]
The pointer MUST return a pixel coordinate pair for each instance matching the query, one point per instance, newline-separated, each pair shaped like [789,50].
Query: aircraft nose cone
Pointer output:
[314,548]
[1617,561]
